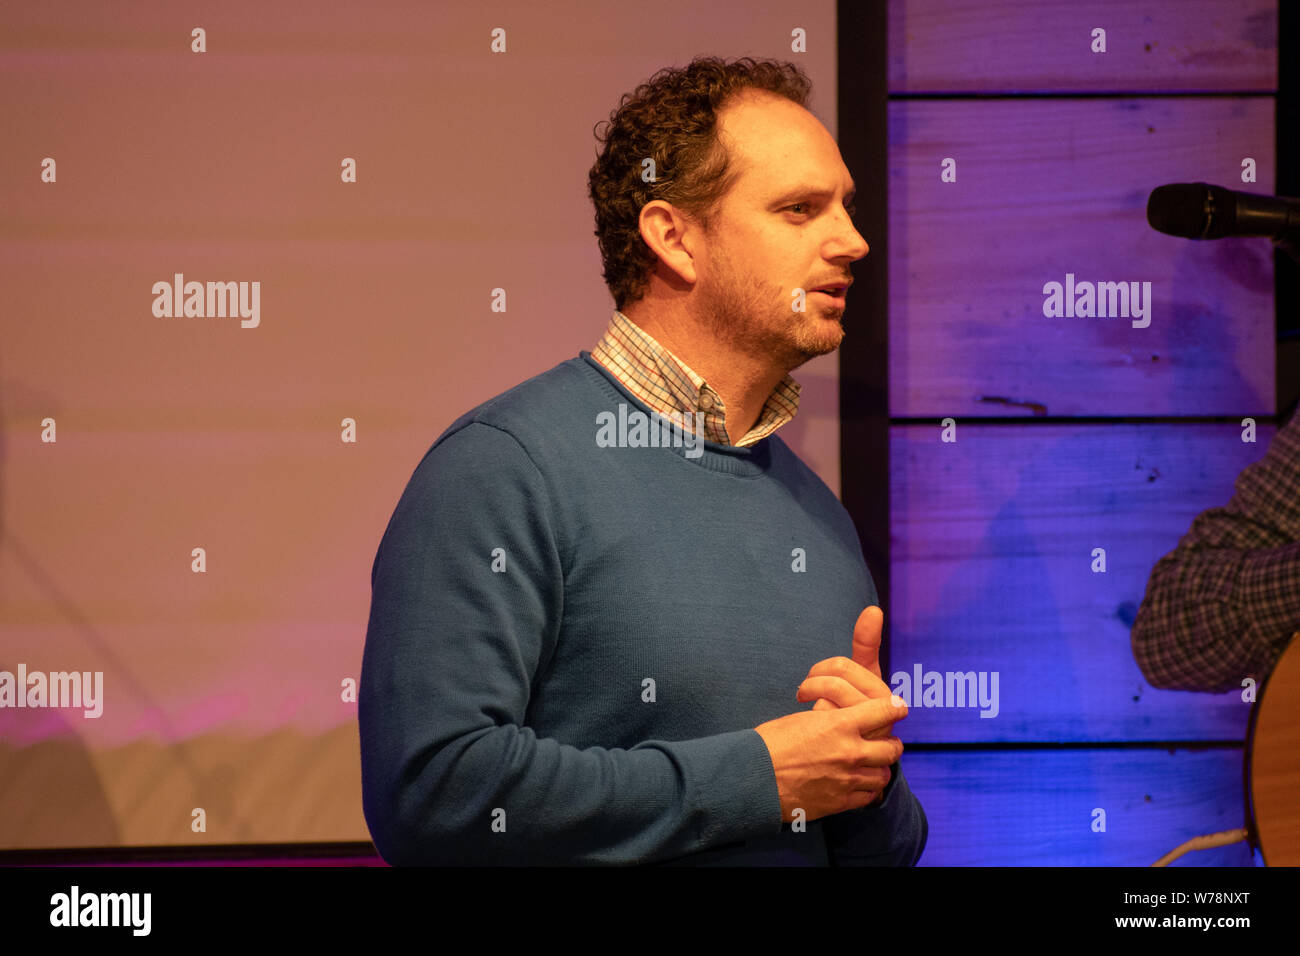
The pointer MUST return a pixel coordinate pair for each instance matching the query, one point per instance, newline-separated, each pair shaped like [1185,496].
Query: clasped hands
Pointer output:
[842,682]
[837,756]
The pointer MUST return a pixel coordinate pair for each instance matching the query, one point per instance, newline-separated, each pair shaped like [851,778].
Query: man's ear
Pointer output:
[671,235]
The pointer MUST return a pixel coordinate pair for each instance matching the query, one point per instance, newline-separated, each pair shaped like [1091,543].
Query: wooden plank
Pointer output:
[992,572]
[1037,807]
[997,46]
[1048,190]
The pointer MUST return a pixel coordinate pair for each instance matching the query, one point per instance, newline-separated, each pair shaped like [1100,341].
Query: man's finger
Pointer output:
[866,638]
[835,689]
[867,683]
[878,712]
[882,751]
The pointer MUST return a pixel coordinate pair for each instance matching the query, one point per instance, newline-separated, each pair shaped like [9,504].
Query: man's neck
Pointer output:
[743,380]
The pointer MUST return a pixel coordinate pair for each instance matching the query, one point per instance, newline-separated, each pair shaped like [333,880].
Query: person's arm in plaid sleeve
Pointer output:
[1221,606]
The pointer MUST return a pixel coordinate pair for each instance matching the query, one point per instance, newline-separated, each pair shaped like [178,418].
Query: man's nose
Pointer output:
[857,246]
[850,241]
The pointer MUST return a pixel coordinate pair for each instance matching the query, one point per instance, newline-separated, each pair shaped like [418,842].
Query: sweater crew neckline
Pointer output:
[752,461]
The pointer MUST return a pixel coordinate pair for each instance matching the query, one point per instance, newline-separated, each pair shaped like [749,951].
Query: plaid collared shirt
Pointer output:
[1224,603]
[667,384]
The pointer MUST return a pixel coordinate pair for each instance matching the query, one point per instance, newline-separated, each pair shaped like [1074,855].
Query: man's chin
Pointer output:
[830,326]
[825,341]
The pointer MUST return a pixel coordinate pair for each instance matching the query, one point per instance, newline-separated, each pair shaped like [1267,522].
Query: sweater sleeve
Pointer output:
[466,605]
[891,832]
[1222,605]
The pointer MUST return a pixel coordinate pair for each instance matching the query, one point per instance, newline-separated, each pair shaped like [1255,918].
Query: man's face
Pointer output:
[783,226]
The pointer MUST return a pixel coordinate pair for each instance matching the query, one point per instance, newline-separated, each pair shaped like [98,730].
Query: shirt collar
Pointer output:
[666,384]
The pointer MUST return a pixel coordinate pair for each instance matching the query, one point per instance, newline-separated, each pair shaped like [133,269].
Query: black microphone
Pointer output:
[1203,211]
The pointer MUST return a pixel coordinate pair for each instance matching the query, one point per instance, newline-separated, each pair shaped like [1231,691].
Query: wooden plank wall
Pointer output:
[1072,432]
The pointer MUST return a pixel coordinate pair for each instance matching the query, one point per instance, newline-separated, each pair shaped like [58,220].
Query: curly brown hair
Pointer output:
[672,119]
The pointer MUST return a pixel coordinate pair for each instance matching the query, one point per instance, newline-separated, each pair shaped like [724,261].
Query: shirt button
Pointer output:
[706,401]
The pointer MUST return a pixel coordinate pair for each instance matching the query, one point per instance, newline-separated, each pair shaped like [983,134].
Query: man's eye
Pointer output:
[801,208]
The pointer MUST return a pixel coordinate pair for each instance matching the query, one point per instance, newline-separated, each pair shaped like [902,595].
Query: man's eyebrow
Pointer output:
[798,192]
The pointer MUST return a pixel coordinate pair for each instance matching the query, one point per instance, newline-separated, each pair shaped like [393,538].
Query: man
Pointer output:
[1222,605]
[603,591]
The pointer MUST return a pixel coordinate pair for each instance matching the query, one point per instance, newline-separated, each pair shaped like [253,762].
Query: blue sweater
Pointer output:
[570,644]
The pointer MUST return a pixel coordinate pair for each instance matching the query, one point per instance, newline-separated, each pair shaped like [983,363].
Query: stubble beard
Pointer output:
[760,321]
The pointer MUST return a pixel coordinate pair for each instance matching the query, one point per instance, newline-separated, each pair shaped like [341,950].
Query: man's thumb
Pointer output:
[866,638]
